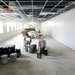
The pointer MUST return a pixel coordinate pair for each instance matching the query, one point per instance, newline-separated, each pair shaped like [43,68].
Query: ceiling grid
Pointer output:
[37,10]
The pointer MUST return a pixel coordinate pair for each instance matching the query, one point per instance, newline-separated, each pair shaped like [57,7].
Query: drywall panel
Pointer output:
[46,28]
[38,26]
[62,28]
[8,34]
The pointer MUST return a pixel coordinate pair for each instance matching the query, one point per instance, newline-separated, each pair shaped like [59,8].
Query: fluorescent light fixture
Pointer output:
[14,13]
[30,7]
[39,18]
[32,23]
[45,13]
[29,15]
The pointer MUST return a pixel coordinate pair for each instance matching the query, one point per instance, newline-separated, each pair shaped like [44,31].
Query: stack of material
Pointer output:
[25,31]
[8,50]
[33,34]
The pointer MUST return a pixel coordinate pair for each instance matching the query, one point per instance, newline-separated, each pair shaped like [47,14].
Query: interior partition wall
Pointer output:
[9,28]
[62,28]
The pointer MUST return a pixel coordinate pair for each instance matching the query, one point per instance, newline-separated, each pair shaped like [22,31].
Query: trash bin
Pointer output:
[18,51]
[13,57]
[4,59]
[46,51]
[33,48]
[39,54]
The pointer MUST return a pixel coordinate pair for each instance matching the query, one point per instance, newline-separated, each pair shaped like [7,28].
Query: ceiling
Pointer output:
[36,10]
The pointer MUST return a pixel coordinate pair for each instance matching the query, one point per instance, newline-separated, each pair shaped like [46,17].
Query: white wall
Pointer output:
[62,28]
[38,26]
[6,35]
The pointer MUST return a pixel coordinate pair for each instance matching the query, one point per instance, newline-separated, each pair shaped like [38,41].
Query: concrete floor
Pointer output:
[60,60]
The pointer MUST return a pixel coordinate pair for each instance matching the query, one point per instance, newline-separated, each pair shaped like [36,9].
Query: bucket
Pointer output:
[13,57]
[46,51]
[4,59]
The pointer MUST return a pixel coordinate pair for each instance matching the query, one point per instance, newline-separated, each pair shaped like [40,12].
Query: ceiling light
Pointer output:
[32,23]
[45,13]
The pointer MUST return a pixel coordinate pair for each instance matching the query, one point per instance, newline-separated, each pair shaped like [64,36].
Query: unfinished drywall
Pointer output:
[62,28]
[8,34]
[38,26]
